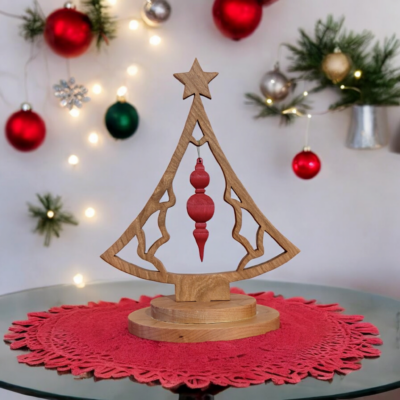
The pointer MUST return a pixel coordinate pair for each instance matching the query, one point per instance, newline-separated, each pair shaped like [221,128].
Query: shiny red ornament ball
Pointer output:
[237,19]
[68,32]
[306,164]
[25,130]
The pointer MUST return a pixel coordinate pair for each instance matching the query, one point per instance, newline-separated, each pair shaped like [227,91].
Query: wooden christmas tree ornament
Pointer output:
[202,309]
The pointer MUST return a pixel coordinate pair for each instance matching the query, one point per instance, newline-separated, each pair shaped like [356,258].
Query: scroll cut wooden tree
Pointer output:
[203,308]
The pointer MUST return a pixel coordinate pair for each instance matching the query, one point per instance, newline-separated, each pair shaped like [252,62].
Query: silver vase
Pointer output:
[369,128]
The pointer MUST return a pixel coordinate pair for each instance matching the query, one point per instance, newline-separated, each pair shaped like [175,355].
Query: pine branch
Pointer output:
[379,83]
[287,112]
[33,25]
[50,217]
[104,26]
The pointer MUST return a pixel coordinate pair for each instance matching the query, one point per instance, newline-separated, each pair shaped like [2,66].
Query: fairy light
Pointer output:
[358,74]
[155,40]
[342,87]
[269,101]
[121,92]
[50,214]
[74,112]
[132,70]
[90,212]
[97,89]
[79,281]
[93,138]
[305,93]
[133,24]
[73,159]
[112,2]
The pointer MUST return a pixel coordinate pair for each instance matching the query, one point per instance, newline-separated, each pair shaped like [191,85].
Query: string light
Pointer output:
[79,281]
[73,159]
[132,70]
[357,74]
[93,138]
[97,89]
[269,101]
[112,2]
[90,212]
[133,24]
[50,214]
[155,40]
[74,112]
[305,93]
[121,92]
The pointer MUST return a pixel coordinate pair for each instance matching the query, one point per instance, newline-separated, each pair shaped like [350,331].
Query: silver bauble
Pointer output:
[274,85]
[155,12]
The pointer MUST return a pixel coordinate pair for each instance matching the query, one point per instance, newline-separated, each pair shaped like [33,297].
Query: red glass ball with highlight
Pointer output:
[237,19]
[306,165]
[25,130]
[68,32]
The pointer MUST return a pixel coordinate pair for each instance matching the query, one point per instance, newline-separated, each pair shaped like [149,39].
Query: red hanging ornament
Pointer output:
[200,207]
[68,32]
[306,164]
[25,129]
[237,19]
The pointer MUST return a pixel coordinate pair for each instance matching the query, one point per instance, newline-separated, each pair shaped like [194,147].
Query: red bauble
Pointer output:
[200,207]
[306,164]
[68,32]
[25,129]
[237,19]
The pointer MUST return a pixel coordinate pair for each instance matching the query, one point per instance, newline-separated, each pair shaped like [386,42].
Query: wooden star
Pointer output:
[196,81]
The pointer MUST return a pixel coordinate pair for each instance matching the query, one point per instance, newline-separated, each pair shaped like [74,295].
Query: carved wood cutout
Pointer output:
[199,287]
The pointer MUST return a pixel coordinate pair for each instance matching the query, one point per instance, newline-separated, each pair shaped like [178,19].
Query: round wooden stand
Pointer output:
[169,321]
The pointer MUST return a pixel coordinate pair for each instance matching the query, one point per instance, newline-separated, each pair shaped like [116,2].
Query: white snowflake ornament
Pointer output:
[71,94]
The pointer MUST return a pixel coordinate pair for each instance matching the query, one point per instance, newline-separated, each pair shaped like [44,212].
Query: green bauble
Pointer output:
[121,120]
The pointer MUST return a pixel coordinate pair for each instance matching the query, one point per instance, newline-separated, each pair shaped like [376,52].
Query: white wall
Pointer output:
[345,221]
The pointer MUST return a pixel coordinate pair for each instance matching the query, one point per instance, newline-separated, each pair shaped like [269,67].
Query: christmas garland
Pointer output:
[359,72]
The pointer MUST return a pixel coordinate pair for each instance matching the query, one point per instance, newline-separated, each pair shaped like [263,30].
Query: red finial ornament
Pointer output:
[200,207]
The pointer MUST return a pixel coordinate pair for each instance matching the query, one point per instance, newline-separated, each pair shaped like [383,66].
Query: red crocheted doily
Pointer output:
[314,340]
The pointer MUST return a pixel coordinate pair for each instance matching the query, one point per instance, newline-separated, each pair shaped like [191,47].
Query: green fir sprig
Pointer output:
[288,112]
[104,26]
[50,216]
[379,83]
[33,25]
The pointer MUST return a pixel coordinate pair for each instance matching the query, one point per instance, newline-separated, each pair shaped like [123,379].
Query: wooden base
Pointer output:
[142,324]
[239,307]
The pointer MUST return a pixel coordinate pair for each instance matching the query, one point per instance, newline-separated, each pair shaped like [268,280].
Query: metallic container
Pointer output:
[369,128]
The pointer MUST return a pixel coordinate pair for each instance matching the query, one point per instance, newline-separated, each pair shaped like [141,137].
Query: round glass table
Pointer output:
[376,376]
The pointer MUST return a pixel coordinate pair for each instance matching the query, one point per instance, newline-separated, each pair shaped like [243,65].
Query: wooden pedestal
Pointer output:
[169,321]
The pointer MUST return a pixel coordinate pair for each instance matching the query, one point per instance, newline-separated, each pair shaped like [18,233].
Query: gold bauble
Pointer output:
[336,66]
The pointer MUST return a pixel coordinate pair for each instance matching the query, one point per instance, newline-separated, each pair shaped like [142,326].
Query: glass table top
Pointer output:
[377,375]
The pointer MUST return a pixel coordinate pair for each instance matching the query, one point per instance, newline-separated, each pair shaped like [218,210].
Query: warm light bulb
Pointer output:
[79,281]
[90,212]
[132,70]
[74,112]
[134,24]
[269,101]
[357,74]
[73,159]
[155,40]
[305,93]
[121,92]
[309,115]
[50,214]
[93,138]
[294,111]
[342,87]
[97,89]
